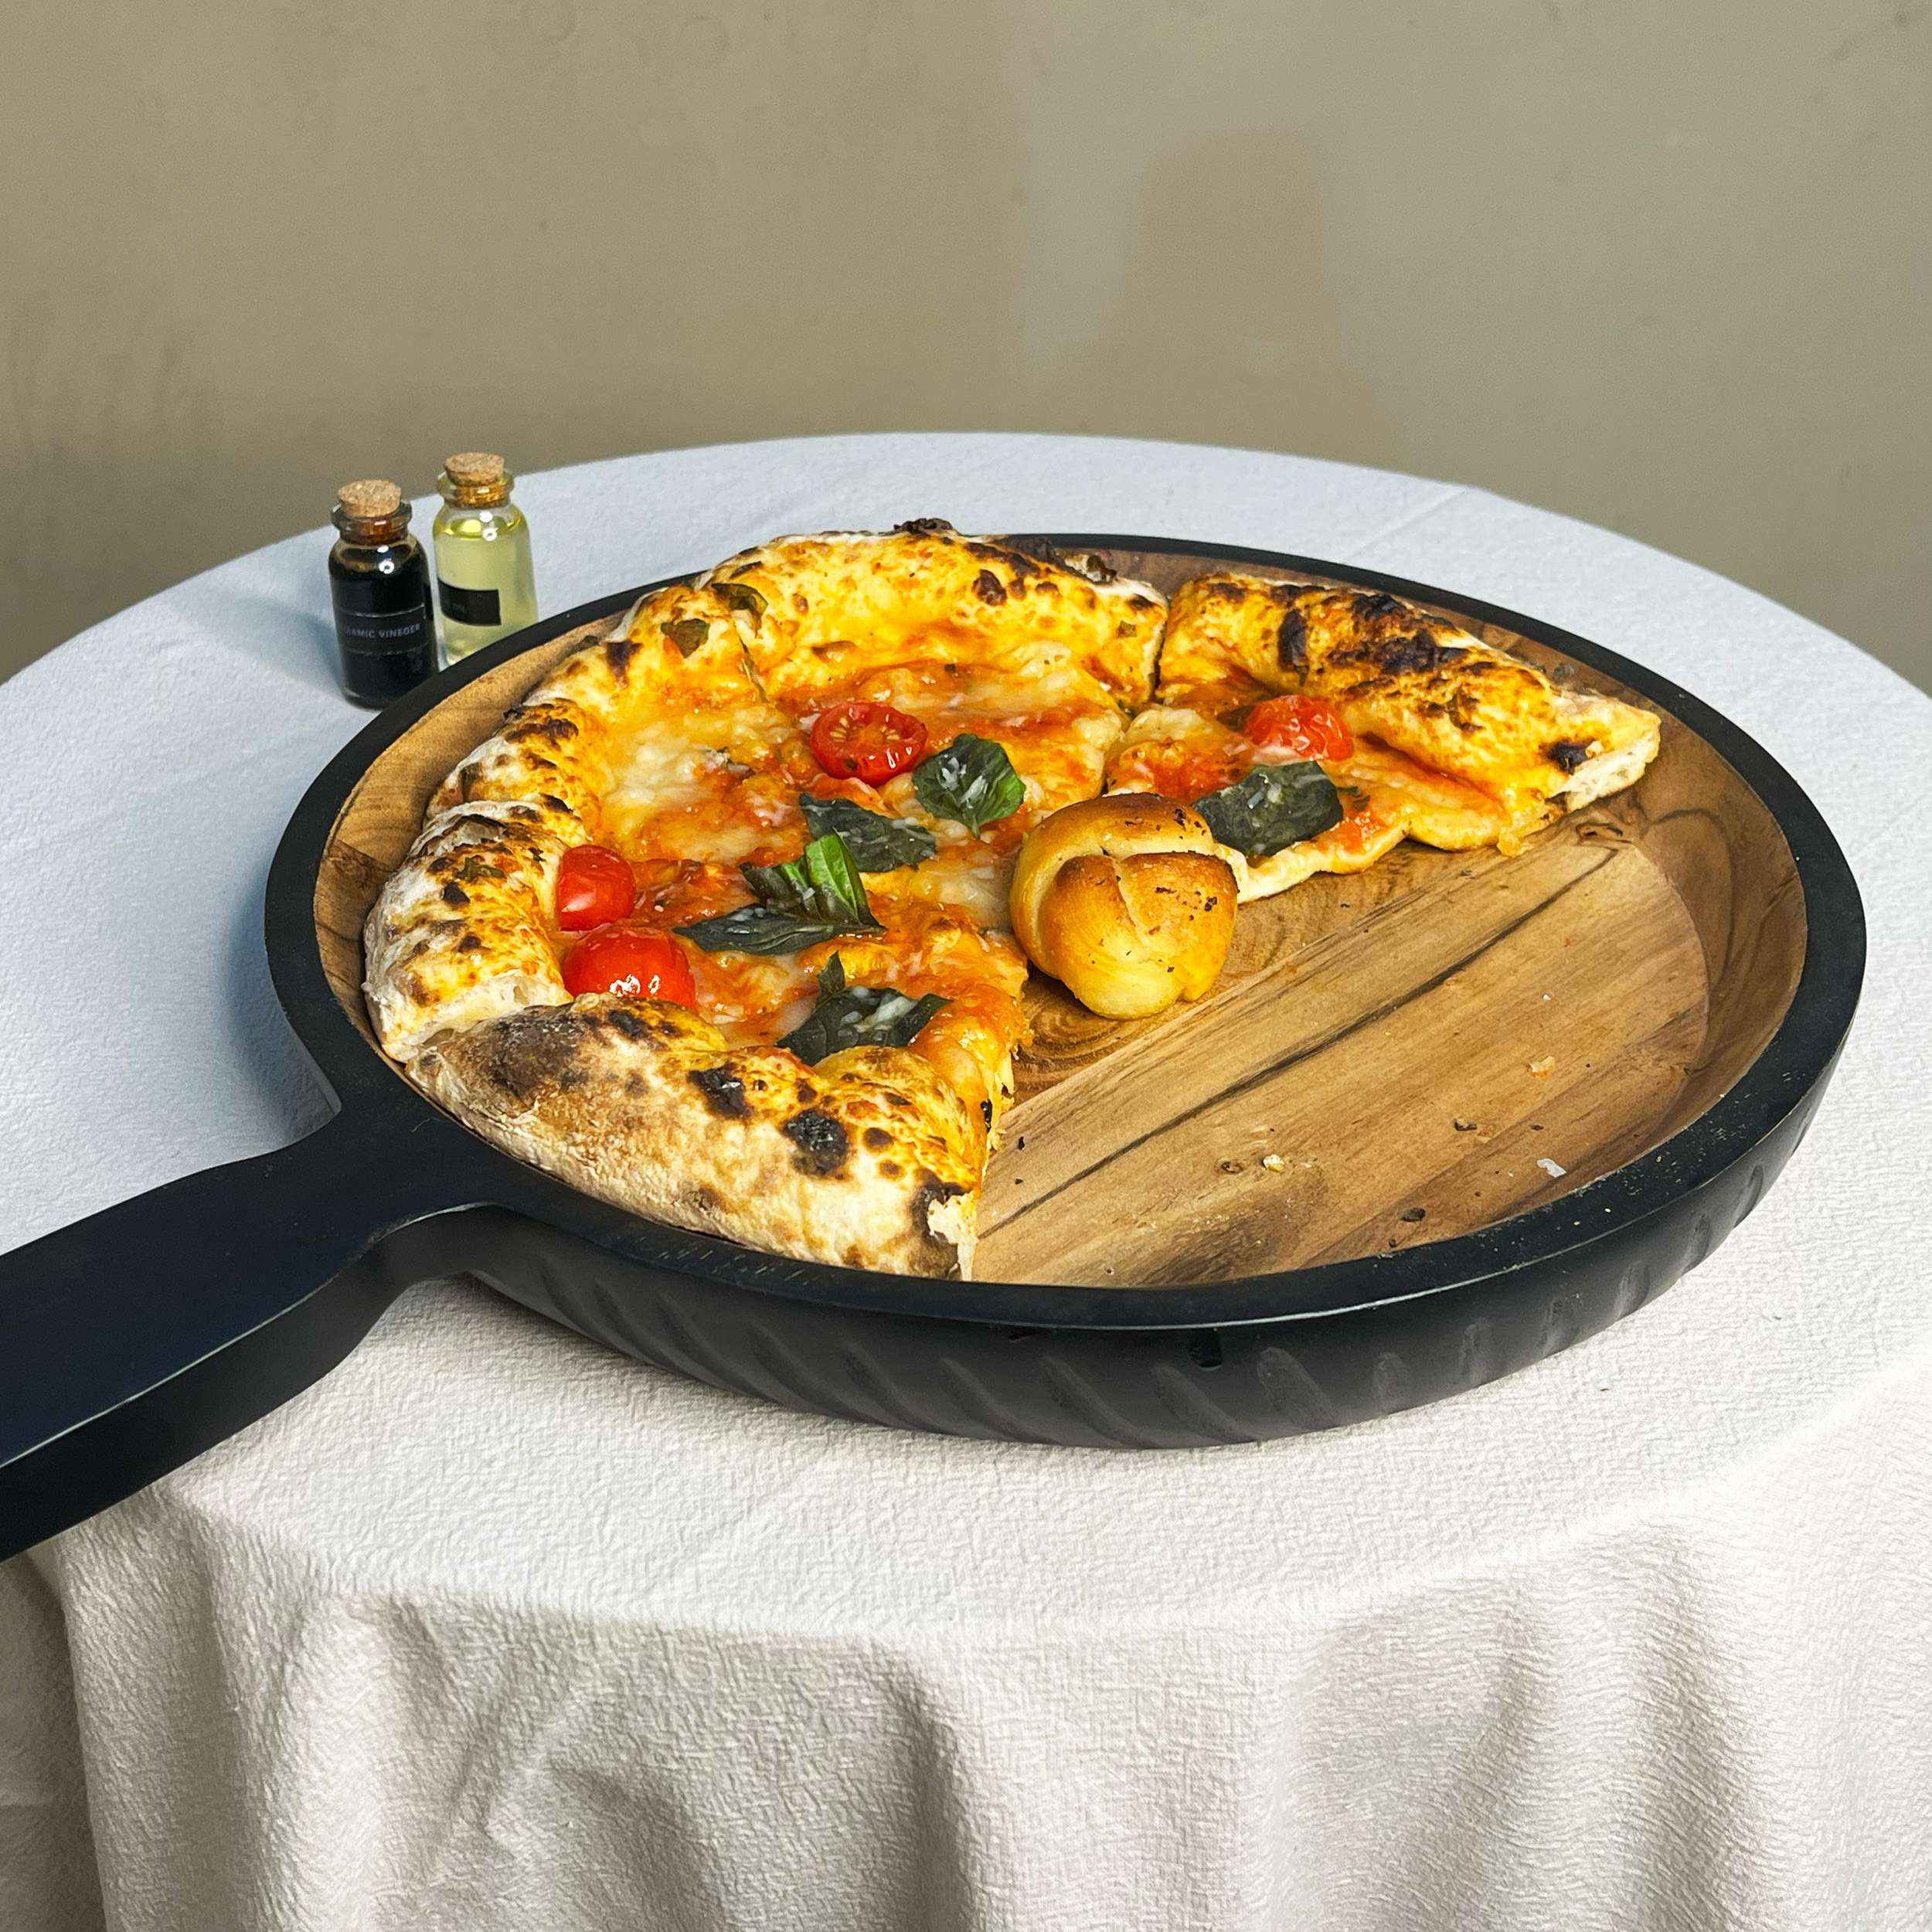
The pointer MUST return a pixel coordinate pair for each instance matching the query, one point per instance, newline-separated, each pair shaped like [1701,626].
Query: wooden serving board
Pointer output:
[1393,1057]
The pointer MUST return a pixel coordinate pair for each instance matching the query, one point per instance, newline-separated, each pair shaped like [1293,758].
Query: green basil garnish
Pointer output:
[741,596]
[876,843]
[687,634]
[1274,806]
[812,898]
[858,1016]
[971,780]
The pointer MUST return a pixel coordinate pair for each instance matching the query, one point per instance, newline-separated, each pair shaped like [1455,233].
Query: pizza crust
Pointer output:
[867,1160]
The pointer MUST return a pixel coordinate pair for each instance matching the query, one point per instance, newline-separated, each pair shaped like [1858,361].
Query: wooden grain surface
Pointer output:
[1390,1058]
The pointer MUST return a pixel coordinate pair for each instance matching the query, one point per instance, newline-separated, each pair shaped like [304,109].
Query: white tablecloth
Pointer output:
[494,1629]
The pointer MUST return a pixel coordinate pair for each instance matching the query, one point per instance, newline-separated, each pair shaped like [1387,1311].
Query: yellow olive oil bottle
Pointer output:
[485,584]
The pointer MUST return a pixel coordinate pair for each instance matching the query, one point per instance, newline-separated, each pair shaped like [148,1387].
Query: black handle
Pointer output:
[134,1340]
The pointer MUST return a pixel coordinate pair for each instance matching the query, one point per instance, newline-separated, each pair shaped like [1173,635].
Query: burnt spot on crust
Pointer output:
[1400,657]
[619,651]
[537,1048]
[890,1169]
[986,1112]
[823,1144]
[1093,567]
[454,894]
[521,727]
[1291,640]
[1136,602]
[705,1199]
[932,1191]
[624,1018]
[926,526]
[469,942]
[1568,753]
[989,588]
[723,1091]
[686,635]
[878,1139]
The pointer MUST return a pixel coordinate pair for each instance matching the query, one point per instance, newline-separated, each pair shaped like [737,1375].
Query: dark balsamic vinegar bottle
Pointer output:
[379,582]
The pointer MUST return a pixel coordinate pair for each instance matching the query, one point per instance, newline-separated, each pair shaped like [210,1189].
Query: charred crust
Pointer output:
[1568,753]
[877,1139]
[469,942]
[986,1112]
[633,1025]
[547,727]
[989,588]
[930,1193]
[454,894]
[1291,640]
[1401,657]
[723,1092]
[532,1051]
[618,652]
[890,1169]
[824,1146]
[926,526]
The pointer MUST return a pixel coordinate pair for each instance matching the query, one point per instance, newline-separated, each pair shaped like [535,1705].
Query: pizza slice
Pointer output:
[1316,728]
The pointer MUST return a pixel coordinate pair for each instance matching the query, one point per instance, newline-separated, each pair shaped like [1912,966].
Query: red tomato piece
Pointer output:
[859,739]
[623,959]
[1304,725]
[594,886]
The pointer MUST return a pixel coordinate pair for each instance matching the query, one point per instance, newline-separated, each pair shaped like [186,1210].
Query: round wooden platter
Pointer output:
[1389,1059]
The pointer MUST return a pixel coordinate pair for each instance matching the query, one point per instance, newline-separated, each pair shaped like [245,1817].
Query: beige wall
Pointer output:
[1665,266]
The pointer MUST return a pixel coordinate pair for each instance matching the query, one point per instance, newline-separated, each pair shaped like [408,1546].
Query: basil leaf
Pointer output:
[971,780]
[1274,806]
[876,843]
[687,634]
[858,1016]
[822,883]
[741,597]
[759,929]
[804,902]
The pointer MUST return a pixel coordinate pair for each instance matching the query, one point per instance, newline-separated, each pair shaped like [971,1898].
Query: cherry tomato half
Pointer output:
[594,886]
[859,739]
[622,959]
[1304,725]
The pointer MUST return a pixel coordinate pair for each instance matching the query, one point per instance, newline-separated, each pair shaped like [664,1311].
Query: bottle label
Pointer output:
[384,630]
[461,605]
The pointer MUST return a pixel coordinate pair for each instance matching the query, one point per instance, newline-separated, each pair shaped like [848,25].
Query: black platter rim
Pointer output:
[462,1170]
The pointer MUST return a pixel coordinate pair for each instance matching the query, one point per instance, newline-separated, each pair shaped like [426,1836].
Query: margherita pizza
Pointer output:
[729,923]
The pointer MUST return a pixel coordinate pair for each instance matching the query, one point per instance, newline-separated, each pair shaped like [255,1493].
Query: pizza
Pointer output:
[730,921]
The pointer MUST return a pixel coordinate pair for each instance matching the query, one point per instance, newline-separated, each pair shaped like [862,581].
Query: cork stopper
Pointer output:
[374,497]
[474,468]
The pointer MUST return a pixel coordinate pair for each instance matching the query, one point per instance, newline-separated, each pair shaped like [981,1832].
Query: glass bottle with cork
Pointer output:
[379,583]
[485,583]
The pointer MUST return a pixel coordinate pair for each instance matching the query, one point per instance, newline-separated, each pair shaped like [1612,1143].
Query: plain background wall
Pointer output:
[1665,266]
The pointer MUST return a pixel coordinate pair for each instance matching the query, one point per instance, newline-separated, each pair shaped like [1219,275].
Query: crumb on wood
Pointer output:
[1554,1169]
[1415,1214]
[1273,1162]
[1229,1167]
[1543,1068]
[1462,1126]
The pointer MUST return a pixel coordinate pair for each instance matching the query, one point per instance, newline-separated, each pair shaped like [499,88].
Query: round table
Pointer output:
[494,1629]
